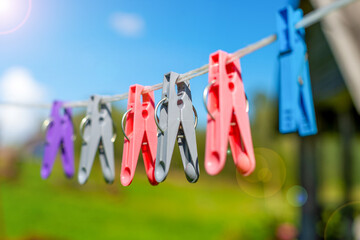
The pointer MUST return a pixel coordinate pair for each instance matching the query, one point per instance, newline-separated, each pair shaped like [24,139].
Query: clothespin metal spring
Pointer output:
[46,123]
[86,120]
[205,96]
[122,123]
[157,118]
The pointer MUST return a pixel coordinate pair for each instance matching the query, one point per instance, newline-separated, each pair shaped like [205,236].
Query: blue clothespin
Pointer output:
[296,107]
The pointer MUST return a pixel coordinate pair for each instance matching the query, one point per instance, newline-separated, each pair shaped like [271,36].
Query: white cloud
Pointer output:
[18,124]
[128,24]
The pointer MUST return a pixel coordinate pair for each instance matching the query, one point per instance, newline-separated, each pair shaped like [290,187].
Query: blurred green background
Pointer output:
[265,205]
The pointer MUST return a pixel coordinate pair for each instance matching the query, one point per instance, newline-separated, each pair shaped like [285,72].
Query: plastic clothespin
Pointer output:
[96,130]
[140,132]
[228,119]
[60,133]
[296,107]
[176,122]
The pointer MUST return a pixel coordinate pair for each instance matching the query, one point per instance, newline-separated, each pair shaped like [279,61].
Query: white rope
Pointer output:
[26,105]
[310,19]
[316,15]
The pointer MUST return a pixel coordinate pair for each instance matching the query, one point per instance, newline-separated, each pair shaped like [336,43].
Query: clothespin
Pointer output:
[140,132]
[228,118]
[296,107]
[96,130]
[176,122]
[60,133]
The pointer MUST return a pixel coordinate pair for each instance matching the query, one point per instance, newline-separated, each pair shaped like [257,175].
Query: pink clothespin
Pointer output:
[140,132]
[228,118]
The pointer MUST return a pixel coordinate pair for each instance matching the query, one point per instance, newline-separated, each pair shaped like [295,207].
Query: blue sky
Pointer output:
[73,50]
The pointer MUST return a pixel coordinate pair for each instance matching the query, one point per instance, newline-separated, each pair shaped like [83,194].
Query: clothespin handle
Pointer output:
[139,133]
[228,119]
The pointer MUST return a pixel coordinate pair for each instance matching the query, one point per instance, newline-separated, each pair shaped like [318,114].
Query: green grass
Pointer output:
[214,208]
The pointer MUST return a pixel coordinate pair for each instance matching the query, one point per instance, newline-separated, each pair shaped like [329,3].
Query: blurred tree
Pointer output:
[335,112]
[8,171]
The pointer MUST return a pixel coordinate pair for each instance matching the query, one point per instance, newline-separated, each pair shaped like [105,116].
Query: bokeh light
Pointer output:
[297,196]
[344,222]
[268,177]
[286,231]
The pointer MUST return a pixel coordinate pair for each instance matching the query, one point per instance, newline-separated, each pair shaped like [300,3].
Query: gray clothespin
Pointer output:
[96,130]
[176,122]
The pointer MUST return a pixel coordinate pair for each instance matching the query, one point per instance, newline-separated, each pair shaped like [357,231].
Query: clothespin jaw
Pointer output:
[59,133]
[296,107]
[176,122]
[140,132]
[228,119]
[97,129]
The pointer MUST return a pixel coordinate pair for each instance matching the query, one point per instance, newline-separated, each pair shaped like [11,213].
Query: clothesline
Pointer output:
[308,20]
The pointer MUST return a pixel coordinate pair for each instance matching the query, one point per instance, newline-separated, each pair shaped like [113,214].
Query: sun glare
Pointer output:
[13,15]
[5,6]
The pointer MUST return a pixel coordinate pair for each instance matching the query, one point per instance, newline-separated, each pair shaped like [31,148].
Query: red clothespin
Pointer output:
[228,118]
[141,132]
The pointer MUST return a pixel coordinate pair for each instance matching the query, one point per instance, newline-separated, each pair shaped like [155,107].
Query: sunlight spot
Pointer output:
[5,6]
[13,15]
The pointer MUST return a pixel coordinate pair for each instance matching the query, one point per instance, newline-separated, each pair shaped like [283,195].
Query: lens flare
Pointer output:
[268,177]
[9,15]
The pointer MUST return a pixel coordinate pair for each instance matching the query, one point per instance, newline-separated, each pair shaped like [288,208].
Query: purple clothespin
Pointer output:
[60,132]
